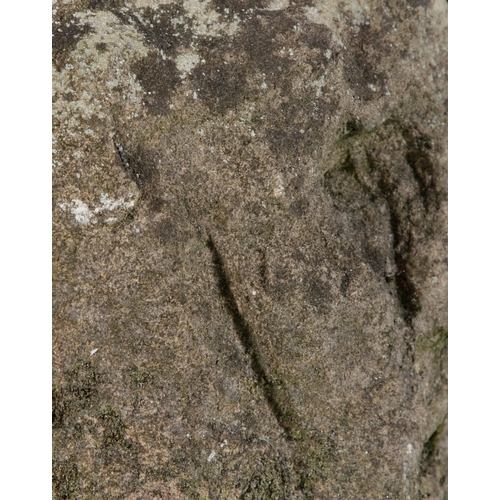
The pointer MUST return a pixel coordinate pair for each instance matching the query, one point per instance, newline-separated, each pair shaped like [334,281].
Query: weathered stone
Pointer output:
[250,227]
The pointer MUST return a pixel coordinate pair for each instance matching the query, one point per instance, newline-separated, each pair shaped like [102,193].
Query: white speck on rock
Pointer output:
[108,204]
[211,456]
[372,87]
[79,209]
[93,351]
[84,215]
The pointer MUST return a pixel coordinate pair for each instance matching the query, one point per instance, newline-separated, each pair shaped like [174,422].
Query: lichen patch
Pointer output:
[83,214]
[186,61]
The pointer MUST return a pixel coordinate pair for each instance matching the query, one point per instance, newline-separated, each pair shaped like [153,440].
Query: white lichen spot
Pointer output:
[84,215]
[252,132]
[107,204]
[206,21]
[409,449]
[195,95]
[278,5]
[211,456]
[186,61]
[79,209]
[264,85]
[328,54]
[372,87]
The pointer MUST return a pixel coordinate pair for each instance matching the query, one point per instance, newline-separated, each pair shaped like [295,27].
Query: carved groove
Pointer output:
[284,415]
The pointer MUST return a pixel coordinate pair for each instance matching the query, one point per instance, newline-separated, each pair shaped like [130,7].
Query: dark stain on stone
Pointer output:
[77,395]
[223,86]
[114,428]
[158,27]
[406,290]
[231,7]
[260,42]
[360,72]
[158,79]
[101,47]
[139,165]
[66,32]
[299,206]
[111,5]
[65,479]
[433,461]
[372,256]
[318,292]
[346,281]
[419,159]
[297,125]
[272,479]
[419,3]
[353,126]
[263,271]
[167,232]
[317,37]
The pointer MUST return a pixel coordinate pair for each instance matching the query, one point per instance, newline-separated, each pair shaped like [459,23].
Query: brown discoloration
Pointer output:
[158,27]
[159,80]
[66,32]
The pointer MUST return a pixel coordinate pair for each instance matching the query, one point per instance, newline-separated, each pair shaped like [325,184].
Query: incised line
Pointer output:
[277,399]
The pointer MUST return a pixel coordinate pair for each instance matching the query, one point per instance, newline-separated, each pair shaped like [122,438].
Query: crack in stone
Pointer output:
[275,396]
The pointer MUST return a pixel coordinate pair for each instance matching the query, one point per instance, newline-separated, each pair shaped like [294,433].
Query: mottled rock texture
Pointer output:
[250,227]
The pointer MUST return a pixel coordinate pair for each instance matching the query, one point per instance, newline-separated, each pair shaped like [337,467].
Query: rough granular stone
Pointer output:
[250,225]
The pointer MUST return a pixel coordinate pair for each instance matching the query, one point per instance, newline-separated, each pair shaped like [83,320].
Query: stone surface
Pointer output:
[250,227]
